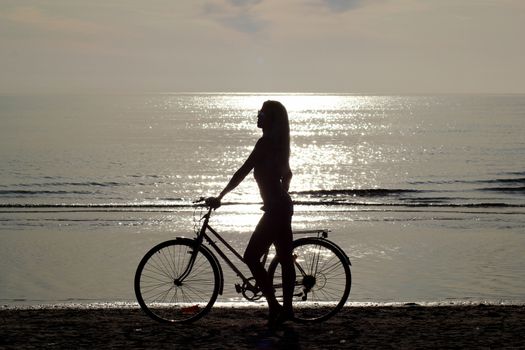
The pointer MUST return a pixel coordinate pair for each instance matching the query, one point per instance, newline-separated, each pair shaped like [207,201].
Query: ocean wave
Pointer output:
[17,193]
[520,189]
[92,205]
[520,180]
[326,203]
[413,205]
[502,181]
[70,183]
[94,197]
[370,192]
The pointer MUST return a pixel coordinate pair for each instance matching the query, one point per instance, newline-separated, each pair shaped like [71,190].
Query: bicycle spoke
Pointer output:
[161,291]
[323,279]
[164,261]
[148,287]
[159,270]
[160,296]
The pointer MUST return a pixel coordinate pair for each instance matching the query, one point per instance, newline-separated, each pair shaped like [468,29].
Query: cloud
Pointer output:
[245,2]
[255,16]
[235,14]
[245,24]
[344,5]
[35,18]
[318,45]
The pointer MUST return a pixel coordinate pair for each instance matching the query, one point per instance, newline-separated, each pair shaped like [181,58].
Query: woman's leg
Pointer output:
[260,242]
[284,249]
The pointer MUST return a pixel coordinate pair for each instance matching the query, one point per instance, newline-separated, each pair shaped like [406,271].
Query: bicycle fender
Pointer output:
[335,246]
[215,260]
[342,252]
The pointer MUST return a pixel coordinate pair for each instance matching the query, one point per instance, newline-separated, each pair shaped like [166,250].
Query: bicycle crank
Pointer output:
[248,290]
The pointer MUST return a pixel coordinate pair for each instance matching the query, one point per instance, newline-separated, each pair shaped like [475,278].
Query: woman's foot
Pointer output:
[278,316]
[274,311]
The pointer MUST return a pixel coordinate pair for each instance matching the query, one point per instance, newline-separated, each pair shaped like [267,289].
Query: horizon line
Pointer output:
[229,92]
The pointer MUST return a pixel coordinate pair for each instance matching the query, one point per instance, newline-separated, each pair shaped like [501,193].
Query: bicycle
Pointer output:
[178,281]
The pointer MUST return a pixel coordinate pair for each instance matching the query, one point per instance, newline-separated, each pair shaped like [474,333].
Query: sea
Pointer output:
[424,193]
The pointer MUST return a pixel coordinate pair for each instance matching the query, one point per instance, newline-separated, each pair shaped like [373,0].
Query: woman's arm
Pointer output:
[239,175]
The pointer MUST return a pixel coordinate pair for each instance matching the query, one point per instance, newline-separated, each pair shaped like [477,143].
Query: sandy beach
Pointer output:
[407,327]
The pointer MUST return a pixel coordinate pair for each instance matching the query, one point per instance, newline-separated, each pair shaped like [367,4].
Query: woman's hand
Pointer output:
[213,202]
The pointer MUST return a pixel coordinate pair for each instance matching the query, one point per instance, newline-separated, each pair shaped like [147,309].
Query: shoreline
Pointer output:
[402,326]
[95,305]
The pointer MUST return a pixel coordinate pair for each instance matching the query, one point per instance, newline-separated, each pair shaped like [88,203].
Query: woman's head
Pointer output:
[273,119]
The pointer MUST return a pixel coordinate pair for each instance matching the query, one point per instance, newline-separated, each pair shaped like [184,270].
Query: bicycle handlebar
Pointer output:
[199,200]
[207,202]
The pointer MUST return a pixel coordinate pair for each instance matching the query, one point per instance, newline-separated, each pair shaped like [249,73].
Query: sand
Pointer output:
[406,327]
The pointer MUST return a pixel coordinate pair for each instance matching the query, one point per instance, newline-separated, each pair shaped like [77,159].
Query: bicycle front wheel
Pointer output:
[323,279]
[171,288]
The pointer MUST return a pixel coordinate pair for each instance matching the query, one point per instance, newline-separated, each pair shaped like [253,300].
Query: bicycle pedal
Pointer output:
[304,296]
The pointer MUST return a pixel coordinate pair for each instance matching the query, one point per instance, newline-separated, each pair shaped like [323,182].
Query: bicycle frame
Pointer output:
[203,236]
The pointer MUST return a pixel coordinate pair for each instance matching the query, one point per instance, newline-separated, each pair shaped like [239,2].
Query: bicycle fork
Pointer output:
[197,243]
[179,280]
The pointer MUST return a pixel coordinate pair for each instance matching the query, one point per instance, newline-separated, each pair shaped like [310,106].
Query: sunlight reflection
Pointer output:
[237,218]
[338,141]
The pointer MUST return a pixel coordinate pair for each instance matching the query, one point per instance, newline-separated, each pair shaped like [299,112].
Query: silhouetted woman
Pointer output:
[270,162]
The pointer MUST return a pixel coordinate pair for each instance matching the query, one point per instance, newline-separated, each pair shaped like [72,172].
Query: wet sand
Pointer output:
[406,327]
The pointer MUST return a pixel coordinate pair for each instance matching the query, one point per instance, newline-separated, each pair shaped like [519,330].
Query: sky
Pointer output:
[352,46]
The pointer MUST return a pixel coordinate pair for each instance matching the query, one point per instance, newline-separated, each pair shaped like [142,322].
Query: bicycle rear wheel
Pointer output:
[167,291]
[323,279]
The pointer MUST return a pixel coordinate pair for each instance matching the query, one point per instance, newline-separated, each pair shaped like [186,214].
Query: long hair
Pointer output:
[279,131]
